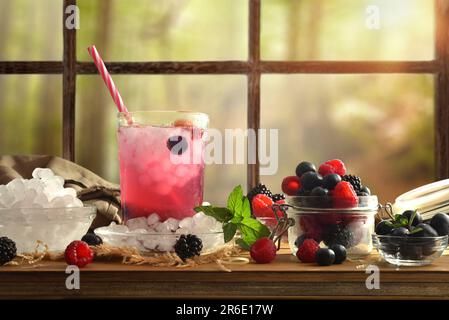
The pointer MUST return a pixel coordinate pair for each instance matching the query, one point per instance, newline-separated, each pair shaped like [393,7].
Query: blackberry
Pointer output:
[188,246]
[355,181]
[259,189]
[92,239]
[277,197]
[8,250]
[335,234]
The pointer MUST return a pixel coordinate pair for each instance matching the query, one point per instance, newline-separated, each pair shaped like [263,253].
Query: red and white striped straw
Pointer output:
[107,79]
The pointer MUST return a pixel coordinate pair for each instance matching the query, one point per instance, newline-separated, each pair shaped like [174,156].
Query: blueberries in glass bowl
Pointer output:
[408,241]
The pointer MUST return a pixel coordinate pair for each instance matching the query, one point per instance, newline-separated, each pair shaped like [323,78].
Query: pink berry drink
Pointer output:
[161,157]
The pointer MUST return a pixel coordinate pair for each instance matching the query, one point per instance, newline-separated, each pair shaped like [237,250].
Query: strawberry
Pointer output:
[332,166]
[78,253]
[262,206]
[291,185]
[263,250]
[307,251]
[344,196]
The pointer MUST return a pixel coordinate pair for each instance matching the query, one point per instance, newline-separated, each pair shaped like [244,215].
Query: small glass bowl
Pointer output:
[353,225]
[410,251]
[55,227]
[151,242]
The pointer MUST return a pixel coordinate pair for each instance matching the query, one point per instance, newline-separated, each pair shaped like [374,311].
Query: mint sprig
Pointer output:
[237,216]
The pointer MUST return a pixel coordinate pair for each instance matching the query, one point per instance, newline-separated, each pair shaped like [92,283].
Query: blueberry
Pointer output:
[303,193]
[331,180]
[410,252]
[399,232]
[384,227]
[319,192]
[426,231]
[92,239]
[177,144]
[365,190]
[440,222]
[310,180]
[340,253]
[300,240]
[325,257]
[304,167]
[409,213]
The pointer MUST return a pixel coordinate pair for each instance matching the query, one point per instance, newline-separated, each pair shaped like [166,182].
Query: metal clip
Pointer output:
[283,223]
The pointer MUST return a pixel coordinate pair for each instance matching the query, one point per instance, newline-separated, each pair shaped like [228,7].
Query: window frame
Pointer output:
[253,68]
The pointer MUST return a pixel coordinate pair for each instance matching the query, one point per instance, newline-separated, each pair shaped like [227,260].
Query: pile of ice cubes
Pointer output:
[44,190]
[150,234]
[42,209]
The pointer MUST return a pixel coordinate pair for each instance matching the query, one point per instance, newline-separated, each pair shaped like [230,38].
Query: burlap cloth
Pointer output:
[91,189]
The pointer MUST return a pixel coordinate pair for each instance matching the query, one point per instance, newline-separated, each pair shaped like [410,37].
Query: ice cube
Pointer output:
[68,191]
[61,202]
[137,223]
[43,173]
[186,223]
[205,204]
[172,224]
[166,243]
[41,201]
[162,228]
[17,186]
[35,184]
[152,219]
[182,231]
[120,228]
[150,242]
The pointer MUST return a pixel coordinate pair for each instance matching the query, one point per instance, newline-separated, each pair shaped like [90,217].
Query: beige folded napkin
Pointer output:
[91,189]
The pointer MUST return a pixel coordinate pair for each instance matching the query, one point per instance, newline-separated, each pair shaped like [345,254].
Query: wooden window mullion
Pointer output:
[253,116]
[442,89]
[69,87]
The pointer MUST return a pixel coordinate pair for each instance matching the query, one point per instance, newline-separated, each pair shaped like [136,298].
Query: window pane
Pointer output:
[164,30]
[347,30]
[32,30]
[30,114]
[223,98]
[380,125]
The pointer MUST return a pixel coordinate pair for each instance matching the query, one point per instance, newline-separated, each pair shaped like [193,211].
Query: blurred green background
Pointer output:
[380,125]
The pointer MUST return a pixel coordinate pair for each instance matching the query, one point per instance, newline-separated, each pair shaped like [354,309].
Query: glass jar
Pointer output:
[352,227]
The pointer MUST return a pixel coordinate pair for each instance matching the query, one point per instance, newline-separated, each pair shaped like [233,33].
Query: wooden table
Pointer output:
[284,278]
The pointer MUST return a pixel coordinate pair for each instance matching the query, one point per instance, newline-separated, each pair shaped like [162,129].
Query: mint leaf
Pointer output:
[252,230]
[220,214]
[246,208]
[235,200]
[243,244]
[229,230]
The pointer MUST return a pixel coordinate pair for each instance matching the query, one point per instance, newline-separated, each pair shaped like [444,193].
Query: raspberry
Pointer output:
[311,227]
[291,185]
[344,196]
[263,250]
[326,169]
[78,253]
[307,251]
[332,166]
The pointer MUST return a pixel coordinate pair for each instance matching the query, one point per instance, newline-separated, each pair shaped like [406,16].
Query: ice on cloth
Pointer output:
[162,236]
[43,190]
